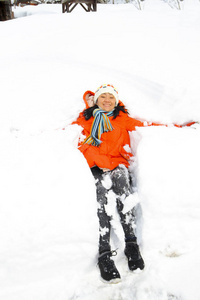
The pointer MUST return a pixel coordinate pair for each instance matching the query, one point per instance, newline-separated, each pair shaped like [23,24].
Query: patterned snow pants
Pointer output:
[121,186]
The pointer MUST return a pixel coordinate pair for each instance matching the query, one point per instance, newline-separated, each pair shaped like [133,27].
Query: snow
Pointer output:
[48,222]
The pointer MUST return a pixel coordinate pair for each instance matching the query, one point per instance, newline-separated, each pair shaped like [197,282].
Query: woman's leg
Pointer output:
[122,188]
[104,219]
[127,221]
[107,266]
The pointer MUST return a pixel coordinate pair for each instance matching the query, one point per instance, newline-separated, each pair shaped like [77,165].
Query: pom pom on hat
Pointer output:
[106,88]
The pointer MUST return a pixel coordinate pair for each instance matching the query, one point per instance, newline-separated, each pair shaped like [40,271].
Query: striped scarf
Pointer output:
[100,125]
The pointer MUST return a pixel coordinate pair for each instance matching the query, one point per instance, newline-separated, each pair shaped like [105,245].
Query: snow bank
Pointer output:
[49,228]
[168,168]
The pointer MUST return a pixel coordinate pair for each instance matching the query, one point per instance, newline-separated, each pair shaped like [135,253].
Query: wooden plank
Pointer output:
[88,8]
[79,1]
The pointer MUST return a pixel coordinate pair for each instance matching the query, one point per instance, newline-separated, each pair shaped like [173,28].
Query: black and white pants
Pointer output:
[120,184]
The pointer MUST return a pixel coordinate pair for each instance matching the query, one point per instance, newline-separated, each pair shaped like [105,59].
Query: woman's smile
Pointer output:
[106,101]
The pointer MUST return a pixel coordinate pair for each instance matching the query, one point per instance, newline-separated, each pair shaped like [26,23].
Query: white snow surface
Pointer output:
[48,222]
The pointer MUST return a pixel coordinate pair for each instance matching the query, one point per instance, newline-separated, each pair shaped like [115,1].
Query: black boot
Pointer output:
[107,267]
[135,259]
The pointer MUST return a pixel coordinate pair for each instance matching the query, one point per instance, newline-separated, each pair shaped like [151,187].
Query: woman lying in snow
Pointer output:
[106,147]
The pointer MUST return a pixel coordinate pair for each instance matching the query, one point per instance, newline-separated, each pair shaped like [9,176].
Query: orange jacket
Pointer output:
[112,151]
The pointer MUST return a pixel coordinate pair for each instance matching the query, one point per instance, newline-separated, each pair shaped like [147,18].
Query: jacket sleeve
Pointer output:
[132,123]
[79,120]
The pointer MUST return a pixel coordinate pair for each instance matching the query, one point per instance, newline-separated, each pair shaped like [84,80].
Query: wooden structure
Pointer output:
[88,5]
[5,10]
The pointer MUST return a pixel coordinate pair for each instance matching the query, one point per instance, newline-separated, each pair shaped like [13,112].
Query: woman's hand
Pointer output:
[90,100]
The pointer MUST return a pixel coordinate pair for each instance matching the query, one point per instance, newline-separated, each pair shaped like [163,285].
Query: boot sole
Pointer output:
[112,281]
[138,269]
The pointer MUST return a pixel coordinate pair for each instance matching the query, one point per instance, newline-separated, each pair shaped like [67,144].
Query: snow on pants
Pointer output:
[121,186]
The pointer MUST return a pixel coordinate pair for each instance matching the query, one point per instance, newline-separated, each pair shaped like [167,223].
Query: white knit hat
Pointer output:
[106,88]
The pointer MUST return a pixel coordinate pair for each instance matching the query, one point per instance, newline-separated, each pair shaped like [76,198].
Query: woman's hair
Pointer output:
[88,112]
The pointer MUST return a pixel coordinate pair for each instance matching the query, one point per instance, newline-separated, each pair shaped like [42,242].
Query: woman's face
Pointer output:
[106,102]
